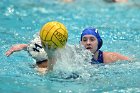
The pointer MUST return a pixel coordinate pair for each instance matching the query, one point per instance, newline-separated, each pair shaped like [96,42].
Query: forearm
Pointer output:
[51,63]
[19,47]
[15,48]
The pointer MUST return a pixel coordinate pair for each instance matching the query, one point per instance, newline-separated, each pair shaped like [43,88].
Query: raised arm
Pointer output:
[113,57]
[15,48]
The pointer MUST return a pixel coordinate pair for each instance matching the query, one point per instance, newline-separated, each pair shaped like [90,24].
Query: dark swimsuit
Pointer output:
[99,60]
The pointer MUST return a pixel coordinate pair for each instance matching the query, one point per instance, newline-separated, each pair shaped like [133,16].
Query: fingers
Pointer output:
[8,53]
[50,50]
[50,46]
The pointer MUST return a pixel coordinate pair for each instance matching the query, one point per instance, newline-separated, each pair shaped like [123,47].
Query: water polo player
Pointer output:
[53,35]
[92,41]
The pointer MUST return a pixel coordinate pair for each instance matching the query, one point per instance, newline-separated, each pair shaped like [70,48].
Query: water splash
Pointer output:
[72,60]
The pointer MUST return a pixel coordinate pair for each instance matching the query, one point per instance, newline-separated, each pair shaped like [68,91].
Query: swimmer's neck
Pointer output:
[95,55]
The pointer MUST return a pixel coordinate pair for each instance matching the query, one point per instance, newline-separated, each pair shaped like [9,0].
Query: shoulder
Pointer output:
[113,57]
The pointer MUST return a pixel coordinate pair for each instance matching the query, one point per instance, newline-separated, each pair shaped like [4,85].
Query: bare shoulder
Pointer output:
[113,57]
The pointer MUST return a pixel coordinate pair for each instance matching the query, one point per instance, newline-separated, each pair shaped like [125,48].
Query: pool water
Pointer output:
[118,24]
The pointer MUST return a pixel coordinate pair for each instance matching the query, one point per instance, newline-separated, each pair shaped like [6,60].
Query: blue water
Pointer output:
[117,23]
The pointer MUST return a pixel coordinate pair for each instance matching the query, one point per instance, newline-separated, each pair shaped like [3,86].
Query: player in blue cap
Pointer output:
[92,41]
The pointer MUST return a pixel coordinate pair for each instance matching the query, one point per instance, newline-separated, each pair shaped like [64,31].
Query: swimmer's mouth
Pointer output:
[88,48]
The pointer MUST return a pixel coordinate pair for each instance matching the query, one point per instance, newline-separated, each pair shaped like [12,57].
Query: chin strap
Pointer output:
[95,51]
[94,54]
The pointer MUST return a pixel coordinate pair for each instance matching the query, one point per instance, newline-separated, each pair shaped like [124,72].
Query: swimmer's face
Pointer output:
[90,42]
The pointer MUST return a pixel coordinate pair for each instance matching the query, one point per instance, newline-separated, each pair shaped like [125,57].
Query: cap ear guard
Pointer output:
[100,43]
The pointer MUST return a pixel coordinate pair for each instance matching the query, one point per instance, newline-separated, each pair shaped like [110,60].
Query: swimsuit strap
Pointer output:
[99,60]
[100,57]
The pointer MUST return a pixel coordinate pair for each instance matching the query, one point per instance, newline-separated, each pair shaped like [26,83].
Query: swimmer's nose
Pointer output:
[88,42]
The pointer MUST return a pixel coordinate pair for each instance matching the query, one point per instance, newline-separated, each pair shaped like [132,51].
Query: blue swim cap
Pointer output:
[94,32]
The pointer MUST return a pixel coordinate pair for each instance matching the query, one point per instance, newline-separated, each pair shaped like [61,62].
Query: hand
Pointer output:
[50,50]
[9,52]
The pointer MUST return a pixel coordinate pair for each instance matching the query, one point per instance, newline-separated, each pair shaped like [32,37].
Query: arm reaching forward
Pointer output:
[15,48]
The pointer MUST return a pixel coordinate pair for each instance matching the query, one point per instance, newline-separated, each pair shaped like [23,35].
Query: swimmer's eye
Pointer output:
[84,39]
[92,39]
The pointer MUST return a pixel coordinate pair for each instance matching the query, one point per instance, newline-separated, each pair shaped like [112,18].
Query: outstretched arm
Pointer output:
[113,57]
[15,48]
